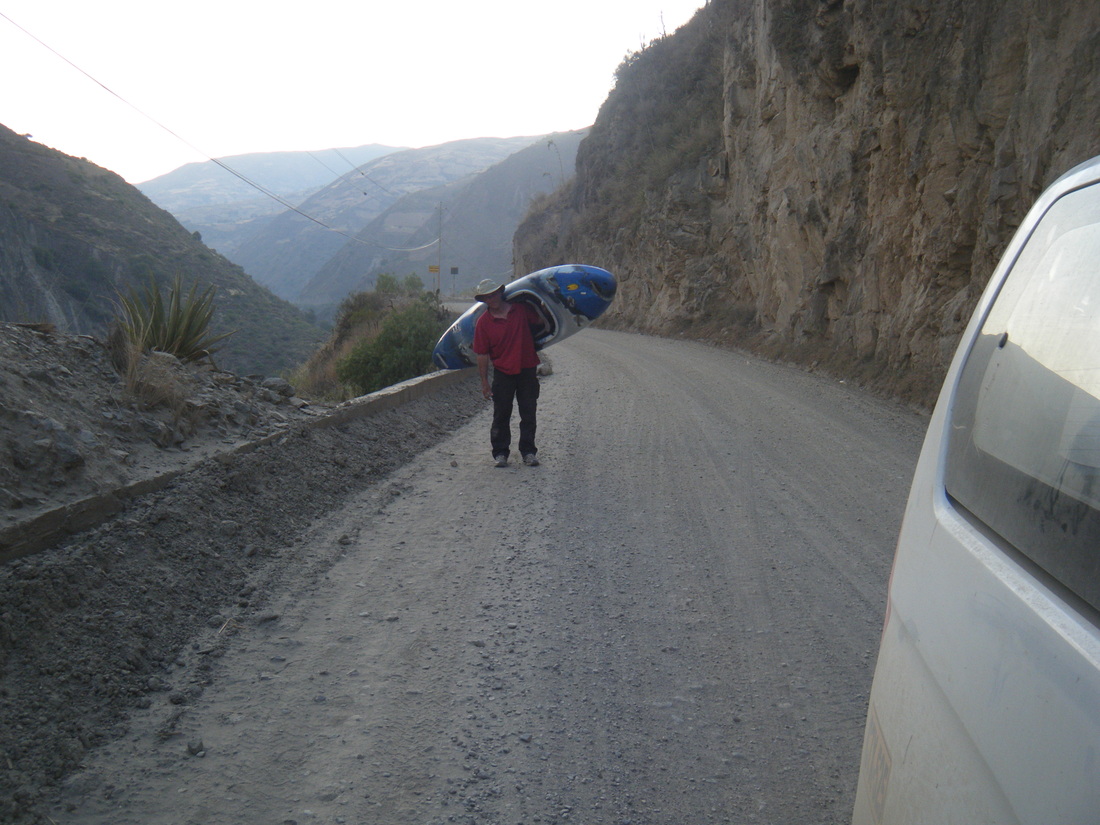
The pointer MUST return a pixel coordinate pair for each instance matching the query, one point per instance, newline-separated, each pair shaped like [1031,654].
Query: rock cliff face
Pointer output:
[830,182]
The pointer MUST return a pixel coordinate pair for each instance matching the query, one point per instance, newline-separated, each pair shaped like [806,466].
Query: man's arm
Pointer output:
[483,370]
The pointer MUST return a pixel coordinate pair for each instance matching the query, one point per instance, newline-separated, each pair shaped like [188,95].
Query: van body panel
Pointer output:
[985,705]
[954,784]
[987,698]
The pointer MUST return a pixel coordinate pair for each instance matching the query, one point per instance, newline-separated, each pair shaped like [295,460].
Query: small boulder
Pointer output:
[279,386]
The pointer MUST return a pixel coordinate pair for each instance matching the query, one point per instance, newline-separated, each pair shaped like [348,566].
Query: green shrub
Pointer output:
[401,350]
[180,325]
[358,310]
[387,284]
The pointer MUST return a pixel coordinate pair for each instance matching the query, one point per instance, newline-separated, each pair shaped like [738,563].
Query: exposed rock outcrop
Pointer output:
[828,181]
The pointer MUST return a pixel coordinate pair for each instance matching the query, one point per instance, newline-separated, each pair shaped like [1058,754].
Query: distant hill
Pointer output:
[73,235]
[287,251]
[479,216]
[225,226]
[284,173]
[208,199]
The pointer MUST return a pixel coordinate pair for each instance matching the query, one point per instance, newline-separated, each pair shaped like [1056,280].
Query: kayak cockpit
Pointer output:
[549,320]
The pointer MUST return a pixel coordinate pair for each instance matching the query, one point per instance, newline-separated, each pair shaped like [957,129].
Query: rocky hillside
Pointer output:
[480,215]
[830,182]
[73,236]
[72,427]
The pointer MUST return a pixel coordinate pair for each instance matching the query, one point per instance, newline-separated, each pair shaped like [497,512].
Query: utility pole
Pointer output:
[439,267]
[434,269]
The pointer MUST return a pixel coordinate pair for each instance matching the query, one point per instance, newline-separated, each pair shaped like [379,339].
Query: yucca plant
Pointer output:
[179,325]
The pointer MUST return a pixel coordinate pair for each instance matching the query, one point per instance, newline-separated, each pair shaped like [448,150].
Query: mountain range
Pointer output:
[227,180]
[289,250]
[464,227]
[384,215]
[220,200]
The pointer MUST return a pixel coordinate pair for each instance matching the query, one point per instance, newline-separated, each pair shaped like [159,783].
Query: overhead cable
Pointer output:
[359,169]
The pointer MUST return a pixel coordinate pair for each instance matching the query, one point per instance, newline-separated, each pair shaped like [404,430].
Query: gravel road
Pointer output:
[673,620]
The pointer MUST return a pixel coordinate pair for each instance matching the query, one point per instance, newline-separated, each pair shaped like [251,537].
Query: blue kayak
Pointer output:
[568,298]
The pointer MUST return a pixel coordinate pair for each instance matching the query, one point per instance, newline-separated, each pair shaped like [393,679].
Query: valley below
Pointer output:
[673,619]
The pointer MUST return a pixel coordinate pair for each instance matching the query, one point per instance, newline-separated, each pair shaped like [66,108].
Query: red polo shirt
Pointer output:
[508,341]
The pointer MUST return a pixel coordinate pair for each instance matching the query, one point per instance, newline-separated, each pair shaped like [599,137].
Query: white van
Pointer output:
[985,706]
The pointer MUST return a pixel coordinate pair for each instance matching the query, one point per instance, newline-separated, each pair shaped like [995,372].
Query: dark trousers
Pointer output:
[524,389]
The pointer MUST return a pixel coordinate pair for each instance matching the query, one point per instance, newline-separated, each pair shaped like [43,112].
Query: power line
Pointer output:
[359,170]
[313,155]
[224,166]
[345,176]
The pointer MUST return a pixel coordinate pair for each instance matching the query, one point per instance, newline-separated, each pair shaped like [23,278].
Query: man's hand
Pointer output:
[486,391]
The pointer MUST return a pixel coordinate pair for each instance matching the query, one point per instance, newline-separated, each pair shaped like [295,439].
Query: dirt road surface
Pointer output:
[673,620]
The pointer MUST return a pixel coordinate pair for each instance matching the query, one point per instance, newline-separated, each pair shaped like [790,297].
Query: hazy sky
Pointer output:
[236,76]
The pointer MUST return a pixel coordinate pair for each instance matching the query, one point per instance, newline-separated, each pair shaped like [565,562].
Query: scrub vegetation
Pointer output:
[381,337]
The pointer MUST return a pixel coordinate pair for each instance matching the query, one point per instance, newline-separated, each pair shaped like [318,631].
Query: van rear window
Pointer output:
[1024,451]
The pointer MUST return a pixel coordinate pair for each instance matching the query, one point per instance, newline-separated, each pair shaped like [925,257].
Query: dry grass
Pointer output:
[317,377]
[155,379]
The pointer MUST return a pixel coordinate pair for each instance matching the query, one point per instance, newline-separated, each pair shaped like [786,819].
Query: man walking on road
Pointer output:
[505,336]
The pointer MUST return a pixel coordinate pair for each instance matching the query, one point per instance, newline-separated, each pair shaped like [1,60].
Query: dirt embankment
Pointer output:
[90,629]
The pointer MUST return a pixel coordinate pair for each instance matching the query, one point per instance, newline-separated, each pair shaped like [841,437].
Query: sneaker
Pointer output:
[531,460]
[501,461]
